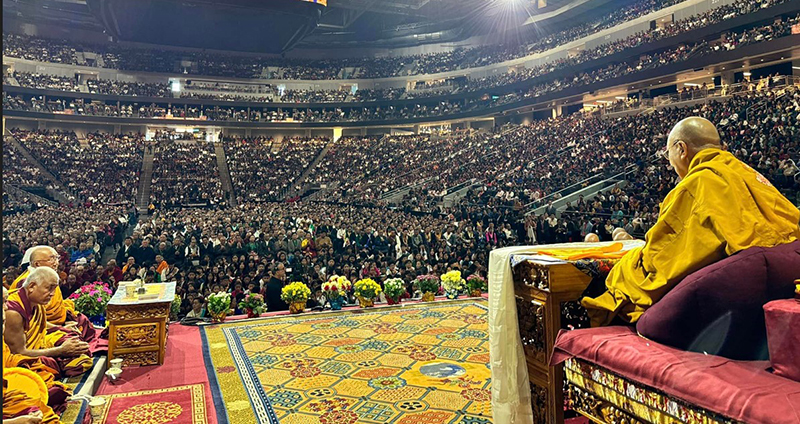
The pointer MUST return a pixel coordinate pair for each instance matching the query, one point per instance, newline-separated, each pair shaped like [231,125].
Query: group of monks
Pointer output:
[44,340]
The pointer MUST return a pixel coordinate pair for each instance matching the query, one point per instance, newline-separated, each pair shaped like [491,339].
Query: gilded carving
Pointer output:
[533,275]
[137,335]
[539,404]
[531,328]
[131,312]
[601,411]
[139,358]
[574,316]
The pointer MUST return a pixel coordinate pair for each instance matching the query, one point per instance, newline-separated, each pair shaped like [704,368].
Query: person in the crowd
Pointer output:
[128,250]
[721,206]
[28,333]
[272,292]
[198,309]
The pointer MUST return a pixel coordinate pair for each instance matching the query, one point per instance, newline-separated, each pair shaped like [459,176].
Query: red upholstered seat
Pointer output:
[741,390]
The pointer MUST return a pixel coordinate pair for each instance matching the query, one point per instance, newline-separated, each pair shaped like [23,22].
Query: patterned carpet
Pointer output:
[418,364]
[174,405]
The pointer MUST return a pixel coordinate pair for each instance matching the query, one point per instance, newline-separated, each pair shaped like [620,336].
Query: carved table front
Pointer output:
[547,292]
[138,327]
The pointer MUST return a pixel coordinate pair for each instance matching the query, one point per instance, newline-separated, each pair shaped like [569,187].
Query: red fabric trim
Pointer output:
[741,390]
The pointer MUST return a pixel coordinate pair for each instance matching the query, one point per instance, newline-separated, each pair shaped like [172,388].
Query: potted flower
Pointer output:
[452,284]
[335,289]
[428,285]
[366,292]
[91,300]
[253,303]
[394,288]
[476,285]
[219,305]
[296,295]
[175,308]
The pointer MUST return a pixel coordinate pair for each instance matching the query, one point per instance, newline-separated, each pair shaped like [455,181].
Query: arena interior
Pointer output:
[405,212]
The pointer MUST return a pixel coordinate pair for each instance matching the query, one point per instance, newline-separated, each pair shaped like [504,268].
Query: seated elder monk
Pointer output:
[28,333]
[59,311]
[720,206]
[21,377]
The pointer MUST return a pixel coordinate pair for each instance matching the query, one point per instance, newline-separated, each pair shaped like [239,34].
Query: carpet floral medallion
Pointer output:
[416,364]
[174,405]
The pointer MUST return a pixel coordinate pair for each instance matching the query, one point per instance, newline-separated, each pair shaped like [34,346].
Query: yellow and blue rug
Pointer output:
[417,364]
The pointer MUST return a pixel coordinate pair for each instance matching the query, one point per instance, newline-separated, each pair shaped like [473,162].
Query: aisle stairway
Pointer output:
[62,188]
[145,180]
[293,189]
[224,173]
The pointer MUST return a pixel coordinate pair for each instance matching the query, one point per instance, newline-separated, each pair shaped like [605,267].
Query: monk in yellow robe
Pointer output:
[30,392]
[721,206]
[59,311]
[27,329]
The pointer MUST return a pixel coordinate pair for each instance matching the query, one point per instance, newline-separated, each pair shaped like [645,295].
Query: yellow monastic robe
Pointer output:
[34,364]
[24,392]
[721,207]
[57,308]
[37,337]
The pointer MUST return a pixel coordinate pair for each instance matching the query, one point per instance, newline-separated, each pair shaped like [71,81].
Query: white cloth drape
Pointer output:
[511,395]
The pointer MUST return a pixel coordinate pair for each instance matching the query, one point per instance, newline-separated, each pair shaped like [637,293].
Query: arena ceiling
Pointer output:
[275,26]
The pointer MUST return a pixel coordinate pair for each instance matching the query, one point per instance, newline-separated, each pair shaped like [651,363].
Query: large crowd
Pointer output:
[354,226]
[463,58]
[353,234]
[154,60]
[115,161]
[540,87]
[185,173]
[262,169]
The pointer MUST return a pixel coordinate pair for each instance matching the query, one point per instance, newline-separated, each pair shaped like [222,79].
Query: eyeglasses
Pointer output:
[665,153]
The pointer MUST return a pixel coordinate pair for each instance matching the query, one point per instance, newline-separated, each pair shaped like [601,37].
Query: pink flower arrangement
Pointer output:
[91,299]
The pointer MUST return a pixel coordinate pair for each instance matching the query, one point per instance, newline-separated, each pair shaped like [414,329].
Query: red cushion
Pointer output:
[718,309]
[783,335]
[740,390]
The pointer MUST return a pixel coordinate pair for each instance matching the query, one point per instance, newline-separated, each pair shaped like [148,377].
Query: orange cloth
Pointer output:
[162,267]
[612,251]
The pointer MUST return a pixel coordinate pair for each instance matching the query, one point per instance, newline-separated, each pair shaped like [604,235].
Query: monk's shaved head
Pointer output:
[698,133]
[688,137]
[44,255]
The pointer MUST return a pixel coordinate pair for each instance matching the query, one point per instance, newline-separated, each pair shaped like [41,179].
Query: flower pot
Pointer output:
[297,307]
[251,314]
[336,304]
[98,320]
[476,293]
[427,297]
[366,303]
[218,316]
[451,294]
[393,301]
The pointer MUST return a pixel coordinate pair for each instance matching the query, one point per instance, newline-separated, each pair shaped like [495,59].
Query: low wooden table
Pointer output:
[547,293]
[138,325]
